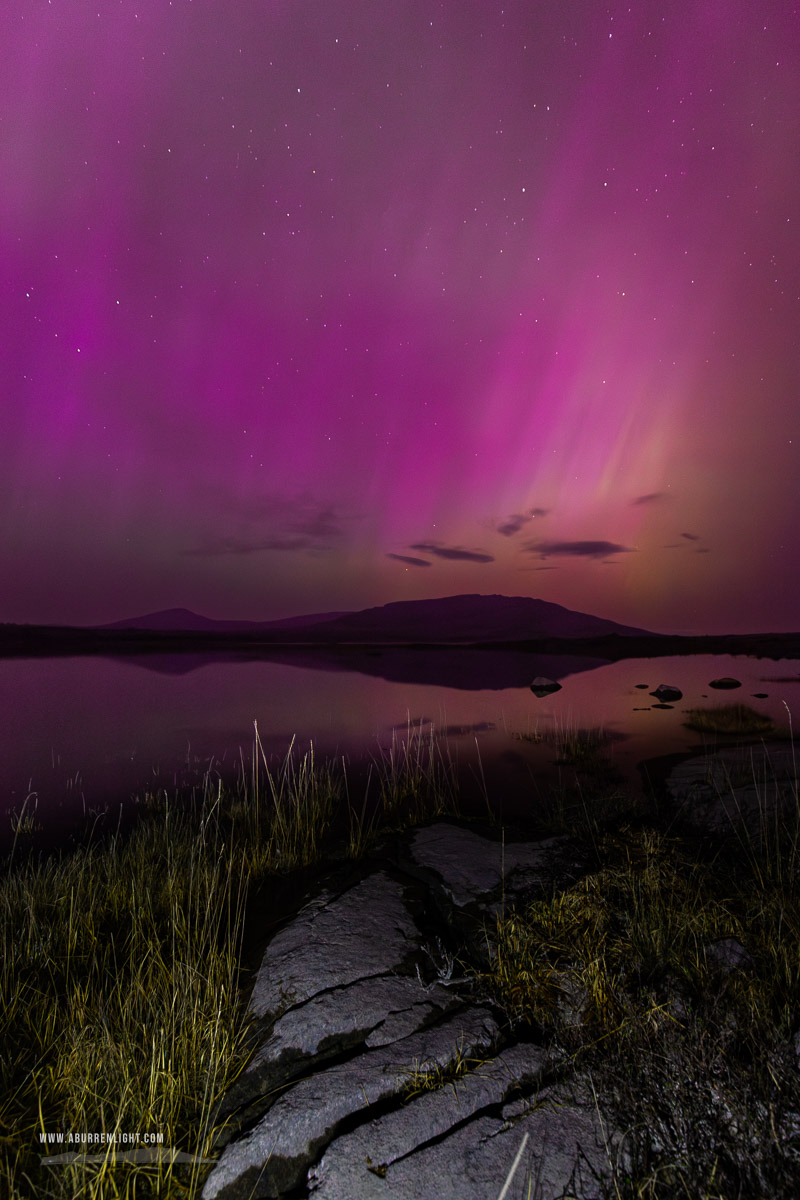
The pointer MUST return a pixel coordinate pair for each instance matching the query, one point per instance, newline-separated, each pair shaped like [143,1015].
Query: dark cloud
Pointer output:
[454,553]
[692,537]
[518,520]
[412,562]
[577,549]
[651,498]
[513,525]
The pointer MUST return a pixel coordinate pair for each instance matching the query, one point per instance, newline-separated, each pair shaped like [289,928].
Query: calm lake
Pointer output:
[84,733]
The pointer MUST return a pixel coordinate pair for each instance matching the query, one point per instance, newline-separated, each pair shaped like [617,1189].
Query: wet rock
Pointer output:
[761,695]
[642,686]
[544,687]
[333,941]
[666,692]
[275,1155]
[358,1164]
[725,682]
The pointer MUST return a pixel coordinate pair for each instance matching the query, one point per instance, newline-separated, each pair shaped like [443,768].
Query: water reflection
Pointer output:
[80,732]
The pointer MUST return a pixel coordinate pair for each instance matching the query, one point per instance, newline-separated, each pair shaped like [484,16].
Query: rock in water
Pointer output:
[666,692]
[725,681]
[544,687]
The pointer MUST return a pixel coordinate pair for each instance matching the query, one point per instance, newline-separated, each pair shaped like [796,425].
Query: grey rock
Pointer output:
[357,1163]
[727,955]
[275,1155]
[725,682]
[544,687]
[567,1152]
[372,1011]
[472,867]
[734,789]
[366,931]
[665,692]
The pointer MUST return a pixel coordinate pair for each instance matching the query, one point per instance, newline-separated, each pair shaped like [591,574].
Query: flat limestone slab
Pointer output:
[565,1155]
[472,867]
[371,1012]
[366,931]
[357,1164]
[274,1156]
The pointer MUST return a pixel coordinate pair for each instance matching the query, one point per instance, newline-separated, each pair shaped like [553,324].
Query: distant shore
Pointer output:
[46,641]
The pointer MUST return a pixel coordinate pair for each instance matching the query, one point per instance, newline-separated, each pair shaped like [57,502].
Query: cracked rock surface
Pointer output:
[374,1077]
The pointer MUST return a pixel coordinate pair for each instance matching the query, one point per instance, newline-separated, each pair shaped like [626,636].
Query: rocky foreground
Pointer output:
[360,1012]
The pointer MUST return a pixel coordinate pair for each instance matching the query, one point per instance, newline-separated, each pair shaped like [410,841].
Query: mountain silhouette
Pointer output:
[183,620]
[468,618]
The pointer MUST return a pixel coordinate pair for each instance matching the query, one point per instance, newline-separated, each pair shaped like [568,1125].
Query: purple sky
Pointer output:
[309,305]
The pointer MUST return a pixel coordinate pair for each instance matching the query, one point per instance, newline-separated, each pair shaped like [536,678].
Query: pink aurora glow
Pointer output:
[291,290]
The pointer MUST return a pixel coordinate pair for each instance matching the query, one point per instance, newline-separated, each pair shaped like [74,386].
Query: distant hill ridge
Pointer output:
[467,618]
[170,620]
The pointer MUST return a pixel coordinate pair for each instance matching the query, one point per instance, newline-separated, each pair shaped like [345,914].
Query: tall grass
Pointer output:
[692,1051]
[121,1007]
[415,776]
[410,780]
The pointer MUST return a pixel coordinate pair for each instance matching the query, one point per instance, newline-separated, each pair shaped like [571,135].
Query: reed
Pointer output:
[119,1006]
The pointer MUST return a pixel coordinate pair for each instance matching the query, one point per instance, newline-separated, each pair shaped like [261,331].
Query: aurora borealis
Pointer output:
[310,305]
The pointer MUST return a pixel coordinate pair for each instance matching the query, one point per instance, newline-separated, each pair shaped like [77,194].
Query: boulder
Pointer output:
[728,954]
[665,692]
[725,681]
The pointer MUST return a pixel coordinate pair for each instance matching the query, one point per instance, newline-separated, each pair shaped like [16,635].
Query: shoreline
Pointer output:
[49,641]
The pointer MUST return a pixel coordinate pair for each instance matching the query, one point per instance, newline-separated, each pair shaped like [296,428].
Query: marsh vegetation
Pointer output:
[124,980]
